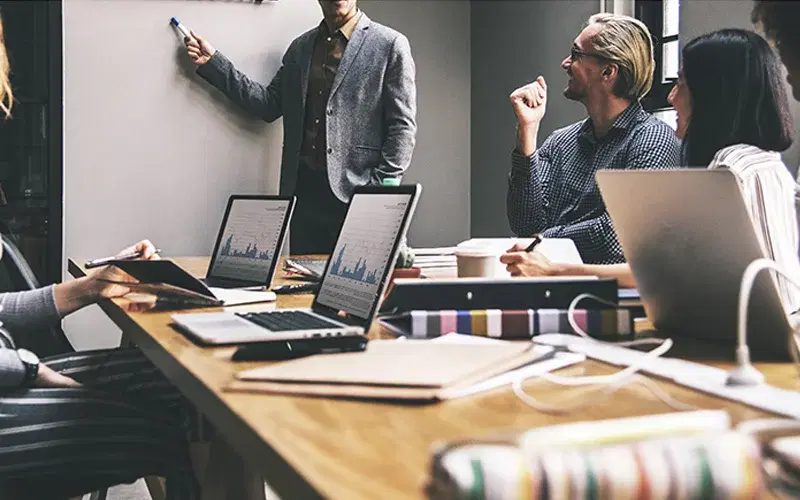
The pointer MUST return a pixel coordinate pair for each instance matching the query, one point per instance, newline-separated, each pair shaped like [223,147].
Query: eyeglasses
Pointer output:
[575,54]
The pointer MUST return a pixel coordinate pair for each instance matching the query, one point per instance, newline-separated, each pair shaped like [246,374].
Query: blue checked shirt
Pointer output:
[553,191]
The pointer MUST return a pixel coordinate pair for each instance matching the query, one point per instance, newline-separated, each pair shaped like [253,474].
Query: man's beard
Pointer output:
[573,94]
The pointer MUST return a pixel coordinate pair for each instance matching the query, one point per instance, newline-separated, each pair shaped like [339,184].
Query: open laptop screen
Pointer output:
[250,238]
[367,246]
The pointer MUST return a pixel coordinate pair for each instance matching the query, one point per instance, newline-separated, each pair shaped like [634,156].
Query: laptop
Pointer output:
[352,285]
[688,238]
[249,241]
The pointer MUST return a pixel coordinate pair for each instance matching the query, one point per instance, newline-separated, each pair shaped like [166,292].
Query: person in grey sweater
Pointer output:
[75,423]
[79,422]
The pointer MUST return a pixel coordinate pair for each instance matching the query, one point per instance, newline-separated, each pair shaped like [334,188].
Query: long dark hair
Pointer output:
[738,95]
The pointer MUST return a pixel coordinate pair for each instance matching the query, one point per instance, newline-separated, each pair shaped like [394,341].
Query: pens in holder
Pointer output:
[536,240]
[105,260]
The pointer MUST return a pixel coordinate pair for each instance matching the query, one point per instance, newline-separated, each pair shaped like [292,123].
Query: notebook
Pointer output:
[170,283]
[408,370]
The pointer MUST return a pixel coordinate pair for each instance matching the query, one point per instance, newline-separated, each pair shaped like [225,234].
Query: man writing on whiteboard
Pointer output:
[347,95]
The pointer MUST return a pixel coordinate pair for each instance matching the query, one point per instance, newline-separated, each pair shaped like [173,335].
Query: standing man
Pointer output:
[551,189]
[347,95]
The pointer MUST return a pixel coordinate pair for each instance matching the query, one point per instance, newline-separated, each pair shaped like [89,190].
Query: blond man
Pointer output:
[551,188]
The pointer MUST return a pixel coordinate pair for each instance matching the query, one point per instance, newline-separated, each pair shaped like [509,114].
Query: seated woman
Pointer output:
[732,113]
[79,422]
[75,423]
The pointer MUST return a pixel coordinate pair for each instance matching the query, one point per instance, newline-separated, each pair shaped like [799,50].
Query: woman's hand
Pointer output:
[48,377]
[101,279]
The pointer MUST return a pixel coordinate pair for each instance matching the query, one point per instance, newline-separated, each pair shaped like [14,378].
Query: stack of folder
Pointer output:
[511,324]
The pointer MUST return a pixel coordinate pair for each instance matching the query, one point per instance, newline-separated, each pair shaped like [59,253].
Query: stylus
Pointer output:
[105,260]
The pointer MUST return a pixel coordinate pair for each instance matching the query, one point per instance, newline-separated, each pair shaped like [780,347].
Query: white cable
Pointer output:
[628,371]
[611,382]
[578,330]
[609,389]
[745,373]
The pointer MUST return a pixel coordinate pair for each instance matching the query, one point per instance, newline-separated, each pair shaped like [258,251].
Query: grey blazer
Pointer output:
[371,122]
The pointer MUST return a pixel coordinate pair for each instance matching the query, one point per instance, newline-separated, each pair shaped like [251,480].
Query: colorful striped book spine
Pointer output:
[520,324]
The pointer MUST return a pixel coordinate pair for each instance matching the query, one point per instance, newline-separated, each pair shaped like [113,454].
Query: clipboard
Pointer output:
[171,283]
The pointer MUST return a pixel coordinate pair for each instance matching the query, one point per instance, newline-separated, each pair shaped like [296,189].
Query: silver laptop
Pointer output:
[249,241]
[353,282]
[688,238]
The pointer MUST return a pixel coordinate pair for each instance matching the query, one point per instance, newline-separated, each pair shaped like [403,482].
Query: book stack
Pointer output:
[436,262]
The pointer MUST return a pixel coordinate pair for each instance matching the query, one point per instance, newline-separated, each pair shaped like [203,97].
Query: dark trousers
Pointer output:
[318,215]
[126,422]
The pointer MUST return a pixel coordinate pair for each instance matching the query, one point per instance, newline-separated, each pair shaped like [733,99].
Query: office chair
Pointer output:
[16,275]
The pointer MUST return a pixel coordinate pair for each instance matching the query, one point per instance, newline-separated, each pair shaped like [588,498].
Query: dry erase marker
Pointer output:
[174,21]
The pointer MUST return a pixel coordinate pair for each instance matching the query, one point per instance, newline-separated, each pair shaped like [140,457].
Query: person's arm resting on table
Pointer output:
[651,149]
[46,306]
[521,263]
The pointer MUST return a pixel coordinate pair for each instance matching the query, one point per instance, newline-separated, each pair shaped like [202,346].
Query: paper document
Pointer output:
[233,297]
[441,251]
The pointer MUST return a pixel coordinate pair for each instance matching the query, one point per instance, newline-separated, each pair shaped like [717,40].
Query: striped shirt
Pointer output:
[553,191]
[768,192]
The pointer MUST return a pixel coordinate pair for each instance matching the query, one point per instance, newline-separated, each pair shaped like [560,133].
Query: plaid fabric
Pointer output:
[553,191]
[518,324]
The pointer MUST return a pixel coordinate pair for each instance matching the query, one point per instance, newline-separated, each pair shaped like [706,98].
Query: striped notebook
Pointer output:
[511,324]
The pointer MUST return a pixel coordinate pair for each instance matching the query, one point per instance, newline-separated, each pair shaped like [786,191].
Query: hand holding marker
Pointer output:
[174,21]
[199,50]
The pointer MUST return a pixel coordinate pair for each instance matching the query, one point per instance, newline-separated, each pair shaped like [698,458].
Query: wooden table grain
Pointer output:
[340,449]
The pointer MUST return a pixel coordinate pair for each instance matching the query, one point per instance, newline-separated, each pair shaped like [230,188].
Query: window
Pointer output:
[662,19]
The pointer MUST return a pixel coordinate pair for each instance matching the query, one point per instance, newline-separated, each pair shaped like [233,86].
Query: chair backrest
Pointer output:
[16,275]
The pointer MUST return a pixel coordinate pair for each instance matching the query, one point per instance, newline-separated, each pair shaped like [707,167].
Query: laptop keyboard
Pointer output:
[281,321]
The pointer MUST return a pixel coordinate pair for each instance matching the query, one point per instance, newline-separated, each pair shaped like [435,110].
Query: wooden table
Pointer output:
[310,448]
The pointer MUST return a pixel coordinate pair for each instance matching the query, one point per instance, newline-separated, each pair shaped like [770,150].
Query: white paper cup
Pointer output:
[480,262]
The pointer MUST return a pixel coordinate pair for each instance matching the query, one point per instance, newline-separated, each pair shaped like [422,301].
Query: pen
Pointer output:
[105,260]
[536,240]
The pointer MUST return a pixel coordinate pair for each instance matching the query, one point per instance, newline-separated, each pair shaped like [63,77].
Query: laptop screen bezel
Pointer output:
[414,191]
[281,238]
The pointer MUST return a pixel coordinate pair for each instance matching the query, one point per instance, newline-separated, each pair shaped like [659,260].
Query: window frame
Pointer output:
[651,13]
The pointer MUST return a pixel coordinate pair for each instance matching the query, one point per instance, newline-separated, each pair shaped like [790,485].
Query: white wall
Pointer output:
[150,149]
[702,16]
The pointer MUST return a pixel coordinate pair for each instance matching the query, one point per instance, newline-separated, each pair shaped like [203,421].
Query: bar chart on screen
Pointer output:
[250,239]
[362,252]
